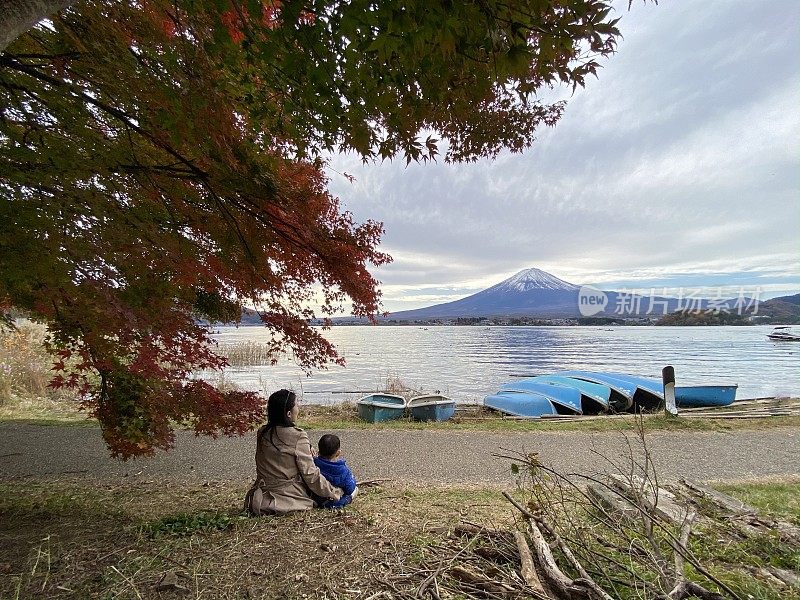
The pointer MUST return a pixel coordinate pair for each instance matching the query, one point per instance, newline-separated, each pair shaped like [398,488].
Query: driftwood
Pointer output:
[655,499]
[647,534]
[527,570]
[784,575]
[613,503]
[745,518]
[557,582]
[725,502]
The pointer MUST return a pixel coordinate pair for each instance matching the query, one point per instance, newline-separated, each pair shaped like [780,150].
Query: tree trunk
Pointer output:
[17,16]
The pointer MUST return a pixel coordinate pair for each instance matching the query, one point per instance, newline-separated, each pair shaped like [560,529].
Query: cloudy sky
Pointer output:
[678,168]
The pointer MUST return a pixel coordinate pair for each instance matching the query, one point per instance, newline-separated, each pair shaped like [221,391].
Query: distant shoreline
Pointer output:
[426,324]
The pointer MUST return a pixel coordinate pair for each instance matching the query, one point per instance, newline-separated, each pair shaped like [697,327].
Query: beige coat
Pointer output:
[286,473]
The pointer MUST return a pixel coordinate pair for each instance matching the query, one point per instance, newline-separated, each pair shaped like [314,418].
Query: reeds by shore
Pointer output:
[246,353]
[26,371]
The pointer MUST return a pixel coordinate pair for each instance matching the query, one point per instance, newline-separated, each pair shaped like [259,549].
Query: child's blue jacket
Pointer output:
[339,475]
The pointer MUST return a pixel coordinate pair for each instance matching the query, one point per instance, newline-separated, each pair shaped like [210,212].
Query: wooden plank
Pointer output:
[750,414]
[727,503]
[745,517]
[613,503]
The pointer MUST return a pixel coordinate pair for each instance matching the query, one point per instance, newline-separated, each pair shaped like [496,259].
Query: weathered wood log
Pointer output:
[558,584]
[786,576]
[613,503]
[744,517]
[527,570]
[663,503]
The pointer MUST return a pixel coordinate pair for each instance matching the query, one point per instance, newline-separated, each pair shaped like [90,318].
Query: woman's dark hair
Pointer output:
[278,404]
[328,445]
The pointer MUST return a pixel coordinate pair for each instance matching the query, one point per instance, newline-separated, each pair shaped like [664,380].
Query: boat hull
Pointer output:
[520,404]
[594,396]
[378,408]
[434,407]
[622,392]
[566,400]
[644,394]
[690,396]
[784,337]
[649,394]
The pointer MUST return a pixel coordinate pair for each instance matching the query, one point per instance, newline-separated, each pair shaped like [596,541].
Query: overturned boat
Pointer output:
[520,404]
[593,392]
[565,399]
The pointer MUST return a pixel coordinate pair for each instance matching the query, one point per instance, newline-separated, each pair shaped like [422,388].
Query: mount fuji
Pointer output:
[531,292]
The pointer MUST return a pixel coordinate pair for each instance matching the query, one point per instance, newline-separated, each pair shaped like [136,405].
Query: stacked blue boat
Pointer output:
[591,393]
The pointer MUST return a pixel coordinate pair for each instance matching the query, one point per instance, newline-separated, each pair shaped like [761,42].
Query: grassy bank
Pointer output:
[73,539]
[344,416]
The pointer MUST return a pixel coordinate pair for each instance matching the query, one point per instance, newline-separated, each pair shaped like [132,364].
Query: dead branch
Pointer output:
[479,580]
[689,589]
[527,570]
[561,585]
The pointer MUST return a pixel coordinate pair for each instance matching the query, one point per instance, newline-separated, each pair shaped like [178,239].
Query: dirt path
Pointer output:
[414,456]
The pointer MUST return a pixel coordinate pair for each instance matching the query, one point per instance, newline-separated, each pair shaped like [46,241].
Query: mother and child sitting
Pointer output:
[288,476]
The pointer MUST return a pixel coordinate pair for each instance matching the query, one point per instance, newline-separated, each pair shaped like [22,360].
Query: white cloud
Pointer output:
[681,160]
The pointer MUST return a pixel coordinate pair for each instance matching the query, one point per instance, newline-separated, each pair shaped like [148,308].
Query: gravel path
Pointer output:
[413,456]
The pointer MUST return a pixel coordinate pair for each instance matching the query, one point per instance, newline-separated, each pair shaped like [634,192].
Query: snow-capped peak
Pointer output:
[535,279]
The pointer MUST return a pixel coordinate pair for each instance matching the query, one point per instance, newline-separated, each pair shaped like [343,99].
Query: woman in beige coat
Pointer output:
[286,474]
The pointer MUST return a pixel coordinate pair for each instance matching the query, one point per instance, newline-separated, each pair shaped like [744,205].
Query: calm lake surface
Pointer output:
[468,363]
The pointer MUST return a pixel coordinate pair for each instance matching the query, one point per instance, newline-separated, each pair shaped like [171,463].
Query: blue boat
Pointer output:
[520,404]
[566,400]
[688,396]
[377,408]
[594,396]
[622,392]
[432,407]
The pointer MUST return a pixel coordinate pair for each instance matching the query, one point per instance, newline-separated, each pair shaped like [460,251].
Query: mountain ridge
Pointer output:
[536,293]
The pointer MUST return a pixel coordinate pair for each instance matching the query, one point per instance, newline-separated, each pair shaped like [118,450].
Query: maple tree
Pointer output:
[161,166]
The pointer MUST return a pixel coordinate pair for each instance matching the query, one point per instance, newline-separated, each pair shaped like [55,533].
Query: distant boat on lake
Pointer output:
[377,408]
[784,333]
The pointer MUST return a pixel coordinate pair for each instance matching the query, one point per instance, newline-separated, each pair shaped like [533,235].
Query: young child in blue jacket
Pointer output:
[335,470]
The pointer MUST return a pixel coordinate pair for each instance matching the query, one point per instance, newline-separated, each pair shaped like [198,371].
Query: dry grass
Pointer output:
[83,539]
[98,540]
[246,353]
[25,372]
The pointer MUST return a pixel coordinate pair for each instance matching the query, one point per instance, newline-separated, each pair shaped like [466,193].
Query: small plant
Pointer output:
[184,524]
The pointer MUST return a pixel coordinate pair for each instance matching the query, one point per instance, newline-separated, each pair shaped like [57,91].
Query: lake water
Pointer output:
[468,363]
